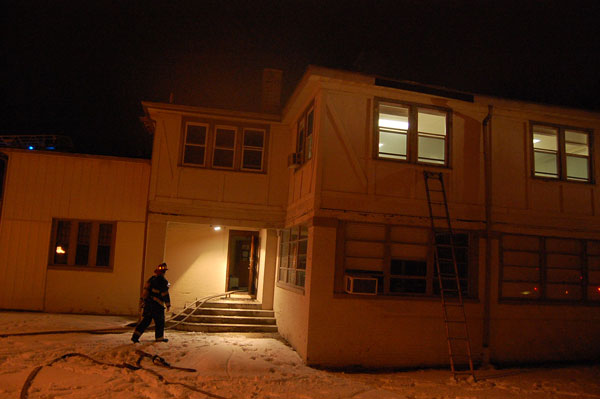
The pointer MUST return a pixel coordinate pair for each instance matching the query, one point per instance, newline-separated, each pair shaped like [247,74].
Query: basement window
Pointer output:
[82,244]
[402,258]
[549,269]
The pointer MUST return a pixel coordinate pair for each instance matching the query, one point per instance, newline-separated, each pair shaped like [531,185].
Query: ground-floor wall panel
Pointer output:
[113,291]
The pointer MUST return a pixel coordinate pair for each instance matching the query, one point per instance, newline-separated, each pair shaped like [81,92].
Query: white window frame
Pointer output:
[561,153]
[253,148]
[413,133]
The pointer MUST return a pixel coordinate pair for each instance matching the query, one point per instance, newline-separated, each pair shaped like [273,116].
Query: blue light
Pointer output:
[50,148]
[31,147]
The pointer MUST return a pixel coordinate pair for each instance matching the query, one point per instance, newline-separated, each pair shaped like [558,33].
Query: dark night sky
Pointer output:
[81,68]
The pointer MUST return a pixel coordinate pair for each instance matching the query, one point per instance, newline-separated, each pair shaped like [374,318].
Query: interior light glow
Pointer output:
[535,141]
[393,124]
[380,145]
[216,228]
[525,292]
[60,250]
[30,147]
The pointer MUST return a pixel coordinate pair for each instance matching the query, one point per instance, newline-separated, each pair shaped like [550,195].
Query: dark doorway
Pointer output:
[242,261]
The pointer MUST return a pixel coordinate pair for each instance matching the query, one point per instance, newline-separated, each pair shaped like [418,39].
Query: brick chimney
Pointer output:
[271,90]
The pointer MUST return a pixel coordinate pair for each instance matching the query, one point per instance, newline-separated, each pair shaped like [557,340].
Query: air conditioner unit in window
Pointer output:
[360,285]
[294,160]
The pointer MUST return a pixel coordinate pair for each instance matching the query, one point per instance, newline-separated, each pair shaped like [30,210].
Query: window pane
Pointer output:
[393,117]
[61,247]
[520,290]
[196,134]
[253,138]
[545,138]
[193,155]
[413,286]
[577,168]
[225,138]
[431,121]
[392,145]
[104,244]
[408,267]
[83,243]
[300,143]
[576,143]
[309,123]
[432,149]
[223,158]
[252,160]
[567,292]
[546,165]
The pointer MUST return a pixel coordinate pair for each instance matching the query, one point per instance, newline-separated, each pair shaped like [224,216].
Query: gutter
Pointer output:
[487,156]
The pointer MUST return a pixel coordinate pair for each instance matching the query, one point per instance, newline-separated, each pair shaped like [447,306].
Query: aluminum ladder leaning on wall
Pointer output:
[455,319]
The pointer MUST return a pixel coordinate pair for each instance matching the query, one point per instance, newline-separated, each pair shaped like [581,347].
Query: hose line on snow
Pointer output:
[156,360]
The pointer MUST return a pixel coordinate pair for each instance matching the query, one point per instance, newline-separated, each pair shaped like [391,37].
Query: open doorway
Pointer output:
[242,261]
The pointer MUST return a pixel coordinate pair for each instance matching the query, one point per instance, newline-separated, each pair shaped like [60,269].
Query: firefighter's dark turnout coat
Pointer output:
[155,298]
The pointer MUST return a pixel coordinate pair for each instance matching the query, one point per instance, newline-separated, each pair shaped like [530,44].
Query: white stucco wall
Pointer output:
[197,260]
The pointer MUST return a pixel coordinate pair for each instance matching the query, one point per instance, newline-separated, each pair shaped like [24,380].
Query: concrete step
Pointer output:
[234,304]
[209,327]
[231,312]
[223,319]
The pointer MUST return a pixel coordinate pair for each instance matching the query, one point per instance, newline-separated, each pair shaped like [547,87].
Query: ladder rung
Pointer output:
[456,304]
[463,355]
[463,372]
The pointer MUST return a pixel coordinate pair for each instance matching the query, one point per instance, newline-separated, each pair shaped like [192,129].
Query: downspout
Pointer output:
[487,156]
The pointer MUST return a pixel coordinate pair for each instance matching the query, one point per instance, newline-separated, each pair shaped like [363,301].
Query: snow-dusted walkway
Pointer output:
[235,366]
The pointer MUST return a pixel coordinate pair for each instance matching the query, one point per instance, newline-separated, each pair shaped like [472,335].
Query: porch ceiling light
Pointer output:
[216,228]
[60,250]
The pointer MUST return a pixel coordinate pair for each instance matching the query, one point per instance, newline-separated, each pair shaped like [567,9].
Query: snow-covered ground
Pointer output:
[233,366]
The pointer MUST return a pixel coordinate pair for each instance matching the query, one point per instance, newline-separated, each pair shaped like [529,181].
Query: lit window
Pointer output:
[412,133]
[561,153]
[82,244]
[292,256]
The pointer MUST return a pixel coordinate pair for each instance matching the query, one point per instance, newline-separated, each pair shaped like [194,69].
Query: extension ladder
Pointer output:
[455,319]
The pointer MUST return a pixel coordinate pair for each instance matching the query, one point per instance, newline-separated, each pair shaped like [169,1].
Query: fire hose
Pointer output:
[156,360]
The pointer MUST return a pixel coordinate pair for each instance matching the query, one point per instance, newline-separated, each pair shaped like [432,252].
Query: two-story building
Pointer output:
[294,205]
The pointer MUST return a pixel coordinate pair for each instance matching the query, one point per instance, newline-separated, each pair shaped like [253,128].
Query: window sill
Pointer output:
[557,180]
[416,164]
[405,297]
[292,288]
[217,169]
[545,302]
[102,269]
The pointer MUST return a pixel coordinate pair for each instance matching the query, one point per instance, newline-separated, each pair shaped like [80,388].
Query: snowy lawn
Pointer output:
[233,366]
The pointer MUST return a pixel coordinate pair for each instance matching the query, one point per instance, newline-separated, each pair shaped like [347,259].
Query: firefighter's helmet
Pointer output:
[162,267]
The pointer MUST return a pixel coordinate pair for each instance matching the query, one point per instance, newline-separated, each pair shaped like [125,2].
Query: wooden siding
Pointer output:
[42,186]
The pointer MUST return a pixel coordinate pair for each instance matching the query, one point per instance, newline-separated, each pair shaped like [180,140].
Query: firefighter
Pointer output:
[154,300]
